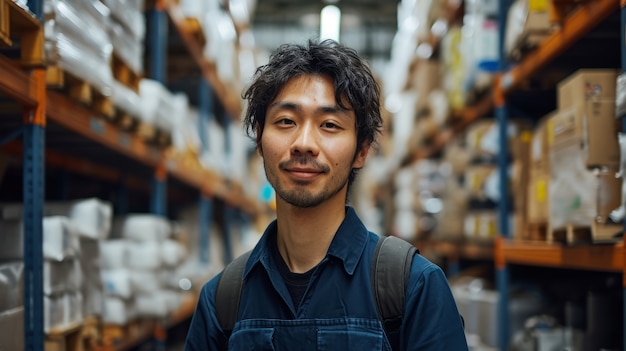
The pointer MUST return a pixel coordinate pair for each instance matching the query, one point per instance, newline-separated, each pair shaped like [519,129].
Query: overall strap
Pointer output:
[391,267]
[228,293]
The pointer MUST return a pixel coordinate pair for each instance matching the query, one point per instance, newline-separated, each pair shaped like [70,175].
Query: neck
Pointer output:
[304,234]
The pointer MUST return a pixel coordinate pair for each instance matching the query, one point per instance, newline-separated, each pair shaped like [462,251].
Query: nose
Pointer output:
[305,140]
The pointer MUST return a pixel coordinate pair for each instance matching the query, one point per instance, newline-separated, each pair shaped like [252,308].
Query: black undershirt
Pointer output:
[296,282]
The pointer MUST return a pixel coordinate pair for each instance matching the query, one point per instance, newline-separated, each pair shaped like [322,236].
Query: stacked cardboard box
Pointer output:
[583,156]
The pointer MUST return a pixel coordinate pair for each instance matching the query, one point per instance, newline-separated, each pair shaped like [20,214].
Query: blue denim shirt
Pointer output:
[337,311]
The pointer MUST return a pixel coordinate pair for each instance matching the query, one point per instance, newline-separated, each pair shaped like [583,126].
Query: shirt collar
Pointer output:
[347,245]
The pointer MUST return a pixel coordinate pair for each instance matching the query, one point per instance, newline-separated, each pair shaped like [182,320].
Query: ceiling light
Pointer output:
[330,23]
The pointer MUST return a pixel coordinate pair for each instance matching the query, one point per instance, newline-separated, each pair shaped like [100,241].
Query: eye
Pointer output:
[330,125]
[284,121]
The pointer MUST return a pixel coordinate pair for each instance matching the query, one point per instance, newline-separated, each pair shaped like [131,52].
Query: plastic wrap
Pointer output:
[60,238]
[151,305]
[80,61]
[11,240]
[64,276]
[12,329]
[579,196]
[11,285]
[144,255]
[156,103]
[126,100]
[146,227]
[114,253]
[128,48]
[144,281]
[116,311]
[173,253]
[73,304]
[92,218]
[129,13]
[185,136]
[620,96]
[79,21]
[93,299]
[117,283]
[54,312]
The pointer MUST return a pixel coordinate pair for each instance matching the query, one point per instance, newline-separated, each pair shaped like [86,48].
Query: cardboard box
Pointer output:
[586,85]
[594,124]
[538,206]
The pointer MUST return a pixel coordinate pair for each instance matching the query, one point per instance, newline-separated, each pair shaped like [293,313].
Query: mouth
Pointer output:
[304,173]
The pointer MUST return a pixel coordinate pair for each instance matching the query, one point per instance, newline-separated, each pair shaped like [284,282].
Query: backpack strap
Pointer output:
[391,267]
[228,293]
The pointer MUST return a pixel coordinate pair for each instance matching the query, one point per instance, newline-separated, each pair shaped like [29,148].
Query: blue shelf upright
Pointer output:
[205,112]
[501,114]
[33,139]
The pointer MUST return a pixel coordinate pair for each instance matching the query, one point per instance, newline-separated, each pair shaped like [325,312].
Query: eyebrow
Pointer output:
[334,109]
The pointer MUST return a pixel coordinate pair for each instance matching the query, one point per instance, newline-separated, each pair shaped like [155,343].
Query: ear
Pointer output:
[361,155]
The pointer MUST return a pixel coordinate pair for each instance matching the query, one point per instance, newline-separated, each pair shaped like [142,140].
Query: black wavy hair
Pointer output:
[355,86]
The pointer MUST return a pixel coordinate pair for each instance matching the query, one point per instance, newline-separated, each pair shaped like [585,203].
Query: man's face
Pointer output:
[308,143]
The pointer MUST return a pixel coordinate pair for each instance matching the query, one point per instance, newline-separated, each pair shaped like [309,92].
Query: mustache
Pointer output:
[304,160]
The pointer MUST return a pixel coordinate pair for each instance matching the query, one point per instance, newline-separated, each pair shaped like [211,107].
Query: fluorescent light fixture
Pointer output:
[330,23]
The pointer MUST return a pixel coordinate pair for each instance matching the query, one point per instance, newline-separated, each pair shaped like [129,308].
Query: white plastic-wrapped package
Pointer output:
[128,48]
[240,146]
[116,311]
[92,217]
[76,21]
[117,283]
[93,298]
[172,253]
[129,13]
[90,257]
[151,305]
[77,59]
[185,136]
[144,255]
[214,157]
[73,304]
[11,285]
[11,240]
[173,299]
[60,238]
[59,277]
[114,253]
[579,196]
[145,281]
[146,227]
[54,312]
[12,329]
[126,100]
[156,103]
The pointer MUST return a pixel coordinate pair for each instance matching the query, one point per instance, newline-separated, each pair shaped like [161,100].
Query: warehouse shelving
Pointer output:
[58,133]
[508,251]
[510,80]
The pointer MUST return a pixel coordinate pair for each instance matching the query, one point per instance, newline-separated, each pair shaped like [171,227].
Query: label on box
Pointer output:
[542,190]
[538,5]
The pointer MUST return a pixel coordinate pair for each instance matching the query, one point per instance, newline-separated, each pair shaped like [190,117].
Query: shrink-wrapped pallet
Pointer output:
[77,41]
[144,255]
[11,285]
[145,227]
[117,282]
[114,253]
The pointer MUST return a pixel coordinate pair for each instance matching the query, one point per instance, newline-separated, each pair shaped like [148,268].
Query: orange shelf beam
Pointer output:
[67,113]
[17,83]
[579,23]
[608,258]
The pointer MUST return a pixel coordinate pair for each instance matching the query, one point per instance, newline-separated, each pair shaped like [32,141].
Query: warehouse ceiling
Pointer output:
[367,25]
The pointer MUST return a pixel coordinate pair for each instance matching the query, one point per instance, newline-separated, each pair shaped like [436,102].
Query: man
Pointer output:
[314,112]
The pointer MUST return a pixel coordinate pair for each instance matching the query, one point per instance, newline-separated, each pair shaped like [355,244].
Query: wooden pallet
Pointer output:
[126,335]
[124,74]
[66,339]
[91,332]
[154,135]
[536,231]
[16,23]
[595,233]
[80,91]
[193,26]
